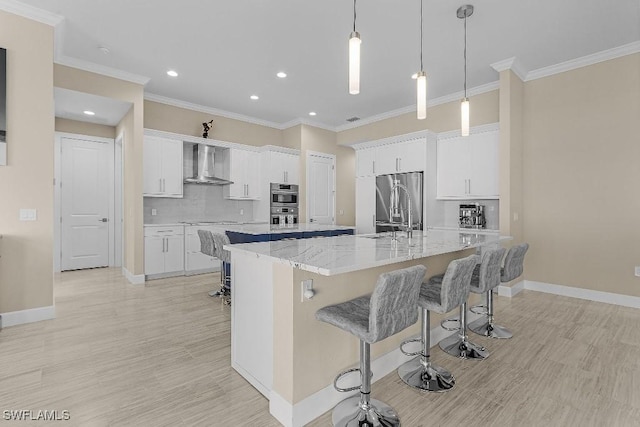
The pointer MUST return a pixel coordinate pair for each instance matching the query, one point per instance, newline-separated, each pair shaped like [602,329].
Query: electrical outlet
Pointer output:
[306,289]
[341,211]
[154,212]
[241,211]
[28,215]
[516,217]
[638,271]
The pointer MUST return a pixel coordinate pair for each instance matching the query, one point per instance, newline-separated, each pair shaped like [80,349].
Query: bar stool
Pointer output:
[391,308]
[458,345]
[486,277]
[440,297]
[212,244]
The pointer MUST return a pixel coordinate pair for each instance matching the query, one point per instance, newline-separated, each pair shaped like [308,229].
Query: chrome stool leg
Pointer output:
[419,372]
[459,346]
[485,326]
[362,411]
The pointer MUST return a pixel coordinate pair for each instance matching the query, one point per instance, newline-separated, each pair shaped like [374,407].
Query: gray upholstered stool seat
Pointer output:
[212,244]
[391,308]
[458,344]
[441,294]
[485,278]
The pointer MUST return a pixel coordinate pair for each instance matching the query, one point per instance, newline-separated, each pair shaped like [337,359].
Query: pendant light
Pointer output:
[354,57]
[463,13]
[421,80]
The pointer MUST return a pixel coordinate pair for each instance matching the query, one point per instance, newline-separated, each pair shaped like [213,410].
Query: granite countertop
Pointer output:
[471,230]
[329,256]
[201,222]
[257,229]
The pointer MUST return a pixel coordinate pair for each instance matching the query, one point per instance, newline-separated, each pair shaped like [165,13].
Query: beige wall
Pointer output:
[189,122]
[84,128]
[83,81]
[441,118]
[581,177]
[26,260]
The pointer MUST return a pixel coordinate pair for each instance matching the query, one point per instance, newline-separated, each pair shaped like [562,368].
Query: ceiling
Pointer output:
[70,104]
[225,51]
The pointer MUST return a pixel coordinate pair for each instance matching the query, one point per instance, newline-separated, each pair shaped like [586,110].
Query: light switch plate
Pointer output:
[28,215]
[305,285]
[638,271]
[154,212]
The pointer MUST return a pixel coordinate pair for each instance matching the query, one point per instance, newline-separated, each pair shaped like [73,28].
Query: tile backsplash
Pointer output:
[200,203]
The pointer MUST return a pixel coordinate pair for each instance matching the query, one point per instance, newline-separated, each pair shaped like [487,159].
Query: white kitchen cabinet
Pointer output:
[163,250]
[365,162]
[400,157]
[243,168]
[365,204]
[162,167]
[283,168]
[468,167]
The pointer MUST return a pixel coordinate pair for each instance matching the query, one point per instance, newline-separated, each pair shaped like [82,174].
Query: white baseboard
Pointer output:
[28,316]
[586,294]
[320,402]
[132,278]
[511,291]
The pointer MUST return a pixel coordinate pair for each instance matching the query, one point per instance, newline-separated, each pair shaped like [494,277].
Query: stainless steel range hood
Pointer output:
[203,167]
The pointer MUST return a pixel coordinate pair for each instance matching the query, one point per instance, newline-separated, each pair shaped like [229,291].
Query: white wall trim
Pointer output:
[306,122]
[280,149]
[586,294]
[324,400]
[490,127]
[393,139]
[333,159]
[456,96]
[31,12]
[605,55]
[512,64]
[28,316]
[132,278]
[511,291]
[92,67]
[198,140]
[209,110]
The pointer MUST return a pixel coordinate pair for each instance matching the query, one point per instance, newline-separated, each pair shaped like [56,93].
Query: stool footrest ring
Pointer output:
[340,375]
[479,309]
[405,342]
[450,320]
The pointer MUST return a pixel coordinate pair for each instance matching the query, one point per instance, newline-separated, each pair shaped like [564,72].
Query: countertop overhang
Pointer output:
[330,256]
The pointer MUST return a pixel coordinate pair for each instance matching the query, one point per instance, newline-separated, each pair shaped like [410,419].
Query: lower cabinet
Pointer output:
[365,204]
[163,250]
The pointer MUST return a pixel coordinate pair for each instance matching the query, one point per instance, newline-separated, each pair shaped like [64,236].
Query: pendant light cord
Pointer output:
[465,56]
[421,37]
[354,16]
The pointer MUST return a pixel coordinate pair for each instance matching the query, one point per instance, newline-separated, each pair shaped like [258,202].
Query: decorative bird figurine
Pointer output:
[207,127]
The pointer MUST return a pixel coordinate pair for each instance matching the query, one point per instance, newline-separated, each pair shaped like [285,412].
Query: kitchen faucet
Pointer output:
[394,207]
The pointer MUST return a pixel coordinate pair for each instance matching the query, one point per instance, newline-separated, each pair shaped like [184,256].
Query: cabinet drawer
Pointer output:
[164,230]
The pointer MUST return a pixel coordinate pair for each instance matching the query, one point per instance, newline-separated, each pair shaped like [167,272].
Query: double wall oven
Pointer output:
[284,204]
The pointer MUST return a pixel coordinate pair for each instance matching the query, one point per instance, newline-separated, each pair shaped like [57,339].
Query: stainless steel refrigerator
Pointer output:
[384,183]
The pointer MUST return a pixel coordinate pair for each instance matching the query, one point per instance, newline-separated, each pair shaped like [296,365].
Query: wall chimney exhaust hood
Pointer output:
[203,167]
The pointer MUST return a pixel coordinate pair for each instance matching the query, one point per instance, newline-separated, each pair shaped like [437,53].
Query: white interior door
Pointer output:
[85,190]
[320,188]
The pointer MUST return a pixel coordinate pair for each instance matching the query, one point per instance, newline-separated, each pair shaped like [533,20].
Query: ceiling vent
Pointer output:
[353,119]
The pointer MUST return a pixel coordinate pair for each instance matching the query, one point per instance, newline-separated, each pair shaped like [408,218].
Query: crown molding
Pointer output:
[477,90]
[279,149]
[429,135]
[31,12]
[198,140]
[605,55]
[209,110]
[512,64]
[490,127]
[92,67]
[306,122]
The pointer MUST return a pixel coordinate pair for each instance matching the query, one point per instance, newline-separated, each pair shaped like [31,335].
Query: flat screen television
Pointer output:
[3,106]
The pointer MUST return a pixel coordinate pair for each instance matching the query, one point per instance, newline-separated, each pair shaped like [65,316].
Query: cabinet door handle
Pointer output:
[374,167]
[160,185]
[469,185]
[167,239]
[374,221]
[399,164]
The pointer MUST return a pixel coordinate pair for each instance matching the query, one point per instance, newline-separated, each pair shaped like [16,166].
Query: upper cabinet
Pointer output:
[395,156]
[283,168]
[162,167]
[468,166]
[243,168]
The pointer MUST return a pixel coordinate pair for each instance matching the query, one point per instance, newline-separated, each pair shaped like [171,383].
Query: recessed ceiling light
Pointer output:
[254,97]
[414,76]
[172,73]
[89,113]
[313,113]
[281,74]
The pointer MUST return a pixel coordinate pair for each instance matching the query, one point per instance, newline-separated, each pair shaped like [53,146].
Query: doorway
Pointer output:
[84,202]
[321,187]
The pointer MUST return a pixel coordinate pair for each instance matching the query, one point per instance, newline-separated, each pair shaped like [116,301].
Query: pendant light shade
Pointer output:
[354,63]
[464,117]
[421,81]
[354,57]
[463,13]
[422,95]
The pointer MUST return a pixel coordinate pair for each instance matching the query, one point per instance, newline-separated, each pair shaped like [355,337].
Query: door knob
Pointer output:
[104,220]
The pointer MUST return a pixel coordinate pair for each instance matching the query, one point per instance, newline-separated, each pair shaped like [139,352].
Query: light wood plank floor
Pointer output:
[156,355]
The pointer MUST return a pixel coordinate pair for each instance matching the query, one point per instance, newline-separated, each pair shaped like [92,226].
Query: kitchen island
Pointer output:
[276,343]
